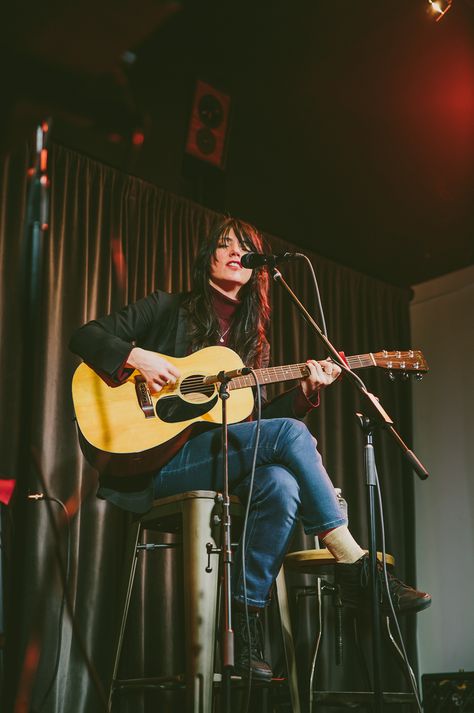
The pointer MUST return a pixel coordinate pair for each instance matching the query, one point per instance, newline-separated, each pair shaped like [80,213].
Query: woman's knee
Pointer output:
[276,484]
[294,434]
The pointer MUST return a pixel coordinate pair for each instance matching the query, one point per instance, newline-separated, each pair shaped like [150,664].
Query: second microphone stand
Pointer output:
[379,417]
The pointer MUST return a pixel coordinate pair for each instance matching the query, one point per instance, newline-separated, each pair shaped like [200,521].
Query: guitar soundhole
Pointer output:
[194,391]
[195,399]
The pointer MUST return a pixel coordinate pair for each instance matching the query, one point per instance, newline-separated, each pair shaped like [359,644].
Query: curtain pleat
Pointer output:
[114,238]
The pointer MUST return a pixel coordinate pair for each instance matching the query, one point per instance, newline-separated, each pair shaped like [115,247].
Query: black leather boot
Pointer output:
[353,580]
[258,665]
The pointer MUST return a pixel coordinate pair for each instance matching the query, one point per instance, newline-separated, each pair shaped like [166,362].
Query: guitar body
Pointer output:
[119,436]
[126,430]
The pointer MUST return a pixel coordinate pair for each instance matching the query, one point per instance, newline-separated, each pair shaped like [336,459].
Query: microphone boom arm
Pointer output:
[373,404]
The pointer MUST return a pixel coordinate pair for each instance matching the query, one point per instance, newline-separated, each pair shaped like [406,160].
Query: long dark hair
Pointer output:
[248,333]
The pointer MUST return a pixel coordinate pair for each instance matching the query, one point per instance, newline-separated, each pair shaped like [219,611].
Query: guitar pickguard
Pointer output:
[172,409]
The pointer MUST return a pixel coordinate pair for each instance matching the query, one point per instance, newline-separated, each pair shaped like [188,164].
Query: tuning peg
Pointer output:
[392,376]
[418,376]
[405,375]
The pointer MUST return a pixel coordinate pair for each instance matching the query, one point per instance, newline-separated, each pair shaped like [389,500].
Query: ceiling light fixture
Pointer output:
[439,8]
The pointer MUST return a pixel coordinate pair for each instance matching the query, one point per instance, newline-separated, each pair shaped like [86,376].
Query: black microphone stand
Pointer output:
[35,232]
[225,550]
[378,417]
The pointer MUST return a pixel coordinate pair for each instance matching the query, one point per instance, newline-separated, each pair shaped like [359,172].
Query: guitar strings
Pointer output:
[199,379]
[194,382]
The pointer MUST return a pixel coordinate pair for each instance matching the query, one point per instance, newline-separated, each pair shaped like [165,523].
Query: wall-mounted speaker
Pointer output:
[208,125]
[448,692]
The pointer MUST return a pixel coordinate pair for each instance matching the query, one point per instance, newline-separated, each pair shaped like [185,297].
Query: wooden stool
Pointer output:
[311,561]
[196,515]
[319,562]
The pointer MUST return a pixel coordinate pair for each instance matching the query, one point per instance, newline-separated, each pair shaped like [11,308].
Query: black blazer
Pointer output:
[157,322]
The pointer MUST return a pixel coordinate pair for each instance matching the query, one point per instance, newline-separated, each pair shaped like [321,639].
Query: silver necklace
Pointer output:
[221,336]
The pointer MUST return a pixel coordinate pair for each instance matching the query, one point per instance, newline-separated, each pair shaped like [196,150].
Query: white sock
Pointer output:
[342,545]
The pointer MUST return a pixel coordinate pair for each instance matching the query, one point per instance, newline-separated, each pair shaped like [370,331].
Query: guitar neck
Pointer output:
[290,372]
[271,375]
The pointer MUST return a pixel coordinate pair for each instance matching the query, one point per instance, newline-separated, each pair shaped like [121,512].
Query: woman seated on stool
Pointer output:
[228,306]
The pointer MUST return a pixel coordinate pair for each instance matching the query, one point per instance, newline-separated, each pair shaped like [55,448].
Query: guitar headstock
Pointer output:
[404,363]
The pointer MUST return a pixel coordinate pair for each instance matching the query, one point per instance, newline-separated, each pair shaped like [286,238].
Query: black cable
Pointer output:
[339,361]
[246,703]
[91,670]
[65,587]
[387,589]
[316,288]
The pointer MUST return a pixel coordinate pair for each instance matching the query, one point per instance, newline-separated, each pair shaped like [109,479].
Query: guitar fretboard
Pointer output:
[359,361]
[274,374]
[271,375]
[399,361]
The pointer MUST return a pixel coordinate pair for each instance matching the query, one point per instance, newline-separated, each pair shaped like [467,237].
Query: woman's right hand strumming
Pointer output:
[157,371]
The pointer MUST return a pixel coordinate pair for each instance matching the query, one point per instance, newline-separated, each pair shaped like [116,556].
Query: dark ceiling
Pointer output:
[352,125]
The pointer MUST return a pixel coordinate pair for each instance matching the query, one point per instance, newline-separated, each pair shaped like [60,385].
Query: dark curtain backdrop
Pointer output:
[114,238]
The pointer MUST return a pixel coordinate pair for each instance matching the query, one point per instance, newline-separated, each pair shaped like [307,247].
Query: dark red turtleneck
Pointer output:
[225,308]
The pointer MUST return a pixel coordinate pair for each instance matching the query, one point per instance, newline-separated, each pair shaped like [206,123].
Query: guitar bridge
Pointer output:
[144,397]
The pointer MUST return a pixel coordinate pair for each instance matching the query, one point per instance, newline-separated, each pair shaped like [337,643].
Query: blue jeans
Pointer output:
[290,482]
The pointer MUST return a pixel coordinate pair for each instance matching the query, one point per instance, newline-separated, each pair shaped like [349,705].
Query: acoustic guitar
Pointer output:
[126,430]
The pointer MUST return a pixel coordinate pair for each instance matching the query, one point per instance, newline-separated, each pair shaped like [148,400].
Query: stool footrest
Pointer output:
[349,698]
[149,682]
[241,682]
[178,680]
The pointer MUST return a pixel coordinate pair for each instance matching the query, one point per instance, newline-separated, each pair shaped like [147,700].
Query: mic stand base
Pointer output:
[367,426]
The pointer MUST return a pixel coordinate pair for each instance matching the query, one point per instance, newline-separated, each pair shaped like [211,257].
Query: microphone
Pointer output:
[252,260]
[226,375]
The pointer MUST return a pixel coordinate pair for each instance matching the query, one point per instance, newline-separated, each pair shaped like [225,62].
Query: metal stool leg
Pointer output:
[200,601]
[317,644]
[130,558]
[288,644]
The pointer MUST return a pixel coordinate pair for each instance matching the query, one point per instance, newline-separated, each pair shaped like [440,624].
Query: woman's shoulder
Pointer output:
[166,299]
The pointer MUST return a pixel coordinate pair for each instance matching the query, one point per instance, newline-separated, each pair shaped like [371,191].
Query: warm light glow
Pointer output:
[440,7]
[138,138]
[119,260]
[6,490]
